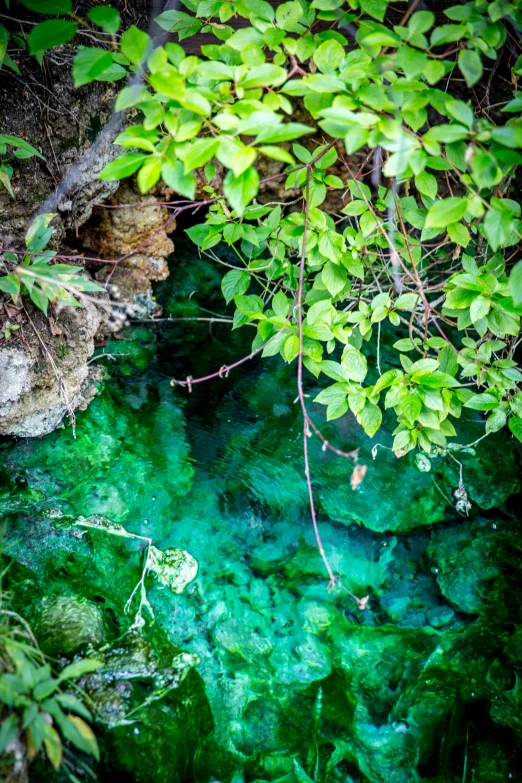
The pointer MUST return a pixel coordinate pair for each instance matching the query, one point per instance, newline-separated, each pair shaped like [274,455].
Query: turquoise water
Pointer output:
[281,680]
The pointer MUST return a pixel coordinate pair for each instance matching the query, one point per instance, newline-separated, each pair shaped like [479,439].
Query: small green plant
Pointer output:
[22,150]
[37,708]
[37,277]
[8,328]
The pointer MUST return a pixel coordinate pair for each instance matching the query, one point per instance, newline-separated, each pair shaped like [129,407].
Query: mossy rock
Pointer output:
[66,624]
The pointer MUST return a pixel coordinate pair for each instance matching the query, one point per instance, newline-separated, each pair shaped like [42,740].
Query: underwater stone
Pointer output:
[64,624]
[440,616]
[174,567]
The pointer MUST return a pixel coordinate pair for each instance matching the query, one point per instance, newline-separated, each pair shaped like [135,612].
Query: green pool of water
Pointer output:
[256,672]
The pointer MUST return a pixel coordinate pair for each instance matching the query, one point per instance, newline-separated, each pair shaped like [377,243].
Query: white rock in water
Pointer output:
[174,567]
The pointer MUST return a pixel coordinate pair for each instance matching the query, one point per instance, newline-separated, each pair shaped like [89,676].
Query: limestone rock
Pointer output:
[45,376]
[130,220]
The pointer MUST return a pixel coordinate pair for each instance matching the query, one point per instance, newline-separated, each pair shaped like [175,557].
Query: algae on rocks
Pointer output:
[255,672]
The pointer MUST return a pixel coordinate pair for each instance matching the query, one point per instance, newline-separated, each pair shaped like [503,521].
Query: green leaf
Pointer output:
[240,191]
[480,307]
[446,211]
[180,22]
[335,410]
[5,179]
[411,61]
[334,277]
[8,730]
[10,284]
[20,144]
[135,45]
[355,364]
[277,153]
[123,166]
[168,82]
[105,17]
[515,425]
[288,16]
[515,283]
[149,173]
[411,406]
[37,229]
[46,35]
[404,345]
[265,75]
[459,234]
[173,174]
[72,703]
[243,159]
[234,284]
[375,8]
[130,96]
[280,304]
[370,418]
[249,305]
[78,668]
[482,402]
[284,132]
[4,40]
[461,111]
[80,734]
[10,63]
[49,6]
[199,153]
[89,63]
[355,208]
[403,441]
[498,227]
[290,348]
[53,746]
[355,138]
[421,22]
[45,688]
[328,56]
[496,421]
[470,64]
[406,302]
[426,184]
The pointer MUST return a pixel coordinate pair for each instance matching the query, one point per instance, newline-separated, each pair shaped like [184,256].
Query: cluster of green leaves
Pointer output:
[90,62]
[37,708]
[447,186]
[38,278]
[5,57]
[22,149]
[231,105]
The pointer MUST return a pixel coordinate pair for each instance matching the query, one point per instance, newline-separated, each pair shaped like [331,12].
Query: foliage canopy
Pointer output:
[404,205]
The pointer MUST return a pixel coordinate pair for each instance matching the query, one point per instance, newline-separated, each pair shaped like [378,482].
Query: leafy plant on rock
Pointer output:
[37,708]
[37,277]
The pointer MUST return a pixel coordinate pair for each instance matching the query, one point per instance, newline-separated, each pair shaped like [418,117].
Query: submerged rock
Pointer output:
[153,702]
[65,624]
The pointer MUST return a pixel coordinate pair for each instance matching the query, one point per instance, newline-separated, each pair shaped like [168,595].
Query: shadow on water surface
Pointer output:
[255,672]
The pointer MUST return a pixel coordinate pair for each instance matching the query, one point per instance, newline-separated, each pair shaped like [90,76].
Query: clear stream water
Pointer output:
[256,672]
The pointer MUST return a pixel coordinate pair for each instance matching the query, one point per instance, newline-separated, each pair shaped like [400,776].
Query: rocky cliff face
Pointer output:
[130,221]
[44,364]
[44,370]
